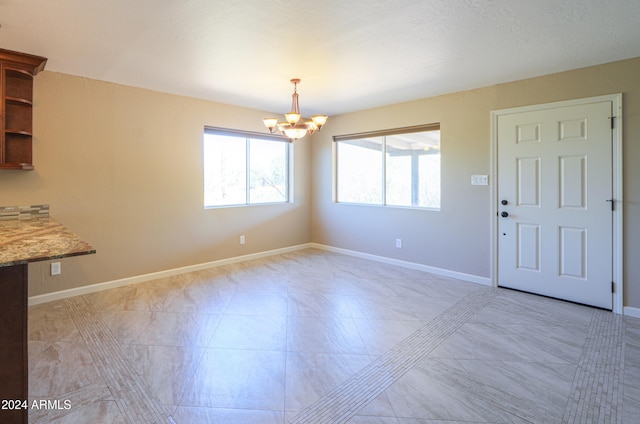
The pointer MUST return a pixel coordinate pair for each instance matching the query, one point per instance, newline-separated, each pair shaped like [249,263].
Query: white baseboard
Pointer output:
[631,311]
[412,265]
[63,294]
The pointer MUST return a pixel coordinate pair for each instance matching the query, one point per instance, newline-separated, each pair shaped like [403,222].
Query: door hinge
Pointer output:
[613,287]
[613,120]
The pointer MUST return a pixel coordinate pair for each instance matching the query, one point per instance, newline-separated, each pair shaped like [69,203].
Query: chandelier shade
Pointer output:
[295,126]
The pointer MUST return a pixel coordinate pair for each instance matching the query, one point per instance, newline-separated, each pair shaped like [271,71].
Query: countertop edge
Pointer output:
[47,258]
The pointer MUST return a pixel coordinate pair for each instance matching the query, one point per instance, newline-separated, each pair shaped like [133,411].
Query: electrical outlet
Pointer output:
[399,243]
[242,239]
[55,268]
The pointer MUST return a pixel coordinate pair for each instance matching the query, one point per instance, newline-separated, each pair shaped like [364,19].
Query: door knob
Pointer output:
[504,202]
[504,214]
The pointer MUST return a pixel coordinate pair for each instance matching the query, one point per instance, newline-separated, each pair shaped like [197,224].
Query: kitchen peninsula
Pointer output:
[27,234]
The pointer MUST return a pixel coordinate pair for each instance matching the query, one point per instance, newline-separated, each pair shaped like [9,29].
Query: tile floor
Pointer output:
[318,337]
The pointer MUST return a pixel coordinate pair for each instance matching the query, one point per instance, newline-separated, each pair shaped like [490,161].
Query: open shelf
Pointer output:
[16,108]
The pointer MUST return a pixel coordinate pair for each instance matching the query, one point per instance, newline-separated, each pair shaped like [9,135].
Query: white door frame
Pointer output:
[616,100]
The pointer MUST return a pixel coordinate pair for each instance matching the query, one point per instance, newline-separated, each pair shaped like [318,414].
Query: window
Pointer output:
[396,167]
[242,168]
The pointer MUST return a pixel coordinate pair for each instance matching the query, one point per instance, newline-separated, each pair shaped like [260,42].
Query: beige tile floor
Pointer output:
[319,337]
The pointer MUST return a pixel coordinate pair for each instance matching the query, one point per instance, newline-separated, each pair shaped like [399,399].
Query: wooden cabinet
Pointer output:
[14,367]
[16,92]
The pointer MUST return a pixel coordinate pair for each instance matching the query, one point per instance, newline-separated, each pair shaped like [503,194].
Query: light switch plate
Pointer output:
[480,180]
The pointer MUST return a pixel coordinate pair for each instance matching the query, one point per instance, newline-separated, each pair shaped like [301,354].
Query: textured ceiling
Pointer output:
[350,54]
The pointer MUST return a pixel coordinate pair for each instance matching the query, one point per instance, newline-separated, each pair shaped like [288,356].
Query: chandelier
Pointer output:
[295,126]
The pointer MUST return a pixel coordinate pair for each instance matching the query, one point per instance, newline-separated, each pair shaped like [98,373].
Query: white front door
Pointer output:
[555,202]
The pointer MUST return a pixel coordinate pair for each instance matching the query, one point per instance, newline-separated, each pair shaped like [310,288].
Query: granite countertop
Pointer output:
[38,239]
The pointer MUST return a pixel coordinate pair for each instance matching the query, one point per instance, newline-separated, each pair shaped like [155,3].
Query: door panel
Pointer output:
[555,174]
[529,247]
[528,185]
[573,182]
[573,249]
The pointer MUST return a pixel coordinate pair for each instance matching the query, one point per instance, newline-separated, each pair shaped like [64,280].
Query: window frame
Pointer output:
[383,134]
[248,136]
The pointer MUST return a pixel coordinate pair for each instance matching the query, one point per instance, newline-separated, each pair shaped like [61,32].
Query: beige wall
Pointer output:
[457,237]
[122,167]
